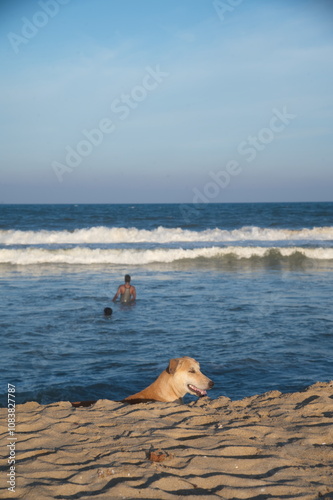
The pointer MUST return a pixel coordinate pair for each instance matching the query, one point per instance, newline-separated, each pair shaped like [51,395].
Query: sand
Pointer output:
[271,446]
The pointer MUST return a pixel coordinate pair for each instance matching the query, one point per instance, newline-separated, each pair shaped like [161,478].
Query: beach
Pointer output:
[183,148]
[274,445]
[245,289]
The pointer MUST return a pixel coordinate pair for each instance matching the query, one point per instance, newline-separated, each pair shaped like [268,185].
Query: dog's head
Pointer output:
[187,377]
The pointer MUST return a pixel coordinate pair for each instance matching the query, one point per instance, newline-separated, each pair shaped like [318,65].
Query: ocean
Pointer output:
[245,289]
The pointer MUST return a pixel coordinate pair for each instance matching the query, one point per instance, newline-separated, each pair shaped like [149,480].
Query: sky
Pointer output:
[152,101]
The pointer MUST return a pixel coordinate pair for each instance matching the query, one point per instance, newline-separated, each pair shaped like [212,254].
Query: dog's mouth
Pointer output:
[195,390]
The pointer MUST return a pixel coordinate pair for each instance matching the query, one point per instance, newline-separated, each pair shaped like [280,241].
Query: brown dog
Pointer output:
[182,376]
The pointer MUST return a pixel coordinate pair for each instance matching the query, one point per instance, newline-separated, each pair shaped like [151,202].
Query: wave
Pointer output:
[88,256]
[95,235]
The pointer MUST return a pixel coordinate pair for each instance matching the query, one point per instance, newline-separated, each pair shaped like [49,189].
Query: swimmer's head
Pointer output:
[127,278]
[108,311]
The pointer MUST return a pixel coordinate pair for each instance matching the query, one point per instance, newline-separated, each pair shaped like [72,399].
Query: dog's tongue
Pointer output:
[198,392]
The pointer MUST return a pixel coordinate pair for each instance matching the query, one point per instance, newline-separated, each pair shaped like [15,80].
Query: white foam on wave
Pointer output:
[87,256]
[95,235]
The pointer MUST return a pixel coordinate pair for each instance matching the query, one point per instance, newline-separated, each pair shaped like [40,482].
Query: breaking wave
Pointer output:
[161,235]
[88,256]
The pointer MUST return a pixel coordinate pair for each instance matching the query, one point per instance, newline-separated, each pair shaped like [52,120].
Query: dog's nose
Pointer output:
[211,384]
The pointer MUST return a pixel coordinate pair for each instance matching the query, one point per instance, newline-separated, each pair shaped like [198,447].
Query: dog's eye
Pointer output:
[192,370]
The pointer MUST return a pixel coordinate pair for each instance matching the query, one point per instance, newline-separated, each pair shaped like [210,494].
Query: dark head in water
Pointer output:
[108,311]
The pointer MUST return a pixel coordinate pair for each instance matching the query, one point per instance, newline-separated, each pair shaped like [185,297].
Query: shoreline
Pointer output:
[272,445]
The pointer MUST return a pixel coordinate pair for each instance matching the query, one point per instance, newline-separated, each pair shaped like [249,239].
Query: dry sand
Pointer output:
[274,445]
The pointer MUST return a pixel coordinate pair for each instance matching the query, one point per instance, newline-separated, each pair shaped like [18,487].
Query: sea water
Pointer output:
[245,289]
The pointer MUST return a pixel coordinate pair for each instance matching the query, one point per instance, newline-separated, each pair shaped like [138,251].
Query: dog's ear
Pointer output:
[173,365]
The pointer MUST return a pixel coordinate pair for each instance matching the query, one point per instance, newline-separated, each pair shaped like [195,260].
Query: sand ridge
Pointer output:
[270,446]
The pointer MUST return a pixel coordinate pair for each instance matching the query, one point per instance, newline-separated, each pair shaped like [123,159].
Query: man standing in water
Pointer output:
[127,291]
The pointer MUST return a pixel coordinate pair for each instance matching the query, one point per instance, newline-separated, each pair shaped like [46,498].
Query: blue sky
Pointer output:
[129,101]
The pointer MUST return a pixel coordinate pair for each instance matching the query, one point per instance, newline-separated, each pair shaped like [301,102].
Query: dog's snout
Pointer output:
[211,384]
